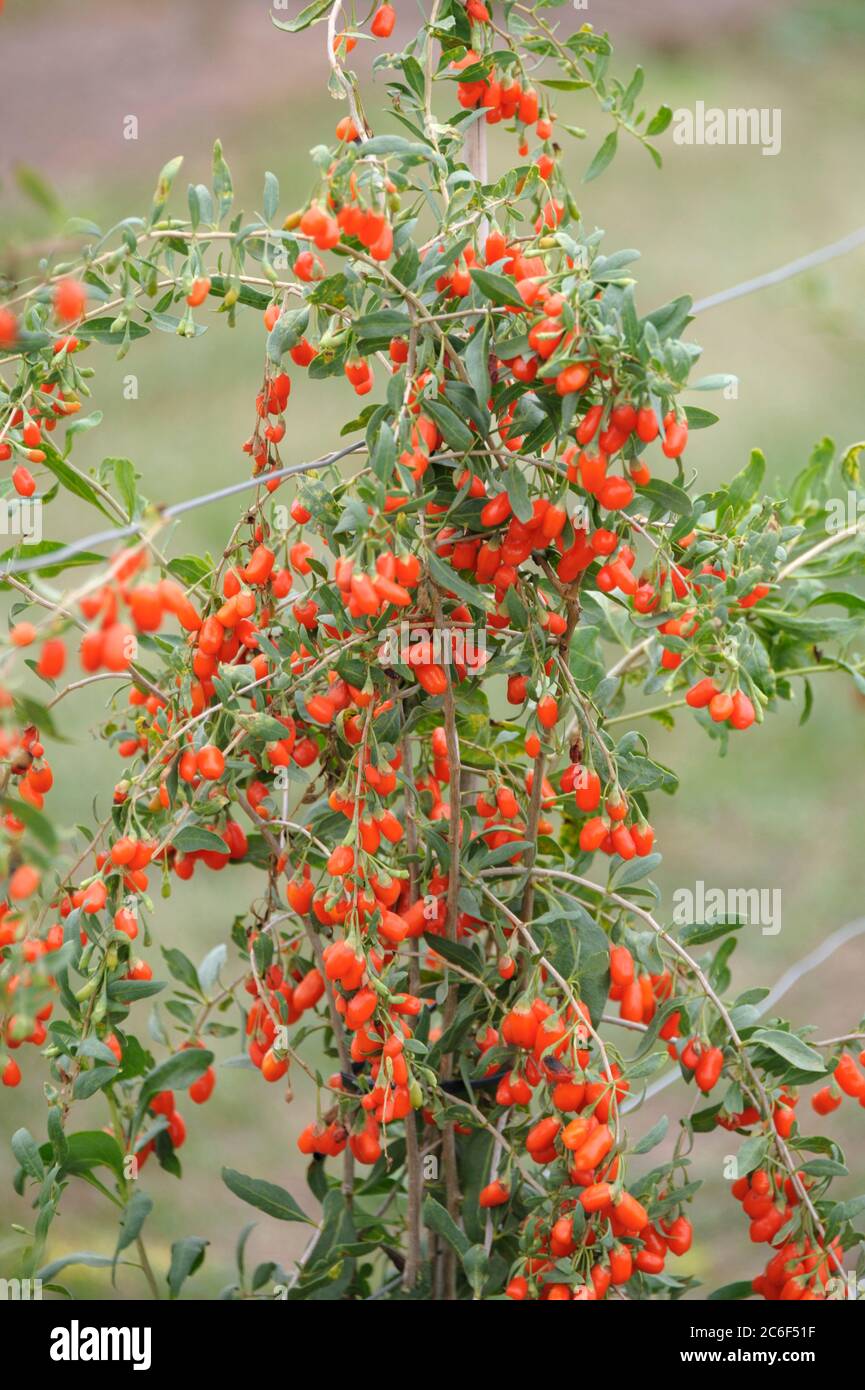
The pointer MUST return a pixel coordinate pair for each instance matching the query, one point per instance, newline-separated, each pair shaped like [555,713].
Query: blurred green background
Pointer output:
[784,809]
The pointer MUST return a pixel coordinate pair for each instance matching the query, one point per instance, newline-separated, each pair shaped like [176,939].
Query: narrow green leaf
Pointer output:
[497,288]
[26,1150]
[439,1220]
[181,968]
[197,837]
[454,431]
[175,1073]
[603,158]
[659,122]
[266,1196]
[187,1256]
[222,186]
[791,1048]
[135,1213]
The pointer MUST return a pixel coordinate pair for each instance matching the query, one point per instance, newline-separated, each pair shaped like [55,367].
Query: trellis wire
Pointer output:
[784,272]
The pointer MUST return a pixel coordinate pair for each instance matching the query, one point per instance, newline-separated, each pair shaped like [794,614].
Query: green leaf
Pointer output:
[477,358]
[208,970]
[286,332]
[266,1196]
[454,431]
[89,1148]
[499,855]
[124,477]
[78,1257]
[564,84]
[80,424]
[87,1083]
[200,204]
[447,578]
[585,660]
[271,195]
[263,726]
[846,1211]
[496,288]
[135,1213]
[667,496]
[653,1138]
[74,482]
[517,489]
[38,824]
[163,187]
[383,455]
[751,1154]
[854,603]
[632,870]
[129,990]
[246,294]
[100,330]
[476,1264]
[454,951]
[671,318]
[606,268]
[824,1168]
[189,568]
[381,145]
[377,328]
[240,1248]
[222,185]
[745,486]
[659,122]
[181,968]
[813,480]
[439,1220]
[475,1156]
[560,941]
[698,933]
[194,837]
[579,949]
[26,1150]
[791,1048]
[57,1135]
[849,465]
[37,189]
[743,1288]
[308,16]
[811,629]
[187,1256]
[603,158]
[174,1074]
[717,382]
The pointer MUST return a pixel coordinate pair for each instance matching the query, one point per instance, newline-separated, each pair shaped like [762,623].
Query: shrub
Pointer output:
[410,698]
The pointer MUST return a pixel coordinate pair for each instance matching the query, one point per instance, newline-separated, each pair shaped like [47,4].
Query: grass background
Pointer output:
[784,809]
